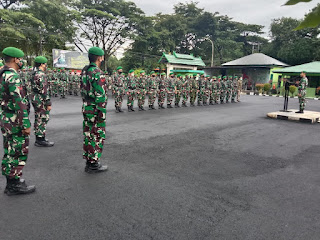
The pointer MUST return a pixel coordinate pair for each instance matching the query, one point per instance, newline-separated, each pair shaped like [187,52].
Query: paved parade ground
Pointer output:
[215,172]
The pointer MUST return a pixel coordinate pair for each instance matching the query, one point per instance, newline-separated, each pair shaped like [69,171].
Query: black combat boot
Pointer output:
[141,108]
[300,111]
[95,167]
[18,186]
[152,107]
[132,110]
[42,142]
[192,104]
[117,110]
[199,104]
[129,109]
[211,103]
[162,107]
[221,102]
[120,110]
[169,106]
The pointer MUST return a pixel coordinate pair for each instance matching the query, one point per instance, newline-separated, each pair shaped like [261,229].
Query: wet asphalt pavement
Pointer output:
[216,172]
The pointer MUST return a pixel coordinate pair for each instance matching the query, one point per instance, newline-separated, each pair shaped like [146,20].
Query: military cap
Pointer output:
[118,68]
[230,77]
[171,74]
[142,71]
[207,76]
[49,69]
[236,77]
[195,74]
[131,71]
[179,75]
[1,64]
[41,59]
[214,77]
[163,74]
[202,74]
[96,51]
[224,77]
[152,72]
[13,52]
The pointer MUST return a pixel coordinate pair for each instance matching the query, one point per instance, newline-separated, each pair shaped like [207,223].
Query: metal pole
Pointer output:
[212,46]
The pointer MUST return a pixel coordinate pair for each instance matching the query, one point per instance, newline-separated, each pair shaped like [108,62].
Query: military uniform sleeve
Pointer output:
[20,102]
[99,87]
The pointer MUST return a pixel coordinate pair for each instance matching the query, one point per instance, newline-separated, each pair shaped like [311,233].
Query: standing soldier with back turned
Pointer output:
[302,92]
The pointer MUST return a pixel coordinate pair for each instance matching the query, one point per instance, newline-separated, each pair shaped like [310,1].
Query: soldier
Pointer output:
[162,90]
[40,101]
[93,93]
[185,90]
[207,89]
[201,89]
[223,87]
[228,88]
[170,90]
[193,89]
[239,89]
[55,76]
[234,89]
[15,123]
[152,90]
[131,90]
[1,65]
[70,82]
[302,91]
[75,83]
[177,90]
[141,90]
[63,83]
[215,90]
[118,89]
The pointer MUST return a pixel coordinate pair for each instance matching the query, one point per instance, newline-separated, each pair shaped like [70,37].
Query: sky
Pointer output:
[247,11]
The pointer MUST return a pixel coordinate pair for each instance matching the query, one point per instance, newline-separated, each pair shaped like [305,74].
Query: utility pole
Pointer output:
[212,46]
[40,38]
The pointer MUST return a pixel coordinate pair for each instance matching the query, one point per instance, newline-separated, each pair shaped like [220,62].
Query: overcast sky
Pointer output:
[247,11]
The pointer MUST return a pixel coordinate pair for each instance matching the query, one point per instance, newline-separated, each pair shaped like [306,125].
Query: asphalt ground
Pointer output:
[216,172]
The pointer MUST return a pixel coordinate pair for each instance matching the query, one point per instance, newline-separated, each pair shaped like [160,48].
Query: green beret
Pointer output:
[195,74]
[179,75]
[13,52]
[131,71]
[214,77]
[202,74]
[152,72]
[230,76]
[236,77]
[59,70]
[1,64]
[171,74]
[142,71]
[96,51]
[224,77]
[118,68]
[41,59]
[49,69]
[163,74]
[207,76]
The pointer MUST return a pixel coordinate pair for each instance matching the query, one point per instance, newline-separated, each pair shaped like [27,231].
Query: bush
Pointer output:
[266,87]
[317,90]
[259,87]
[292,89]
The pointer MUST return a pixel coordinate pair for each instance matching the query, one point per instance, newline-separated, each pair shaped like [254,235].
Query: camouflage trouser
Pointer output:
[200,96]
[152,95]
[222,95]
[131,94]
[302,103]
[177,96]
[206,96]
[63,88]
[94,133]
[170,97]
[185,96]
[70,88]
[141,97]
[41,117]
[193,96]
[228,94]
[162,96]
[215,96]
[118,99]
[238,94]
[55,89]
[50,88]
[15,148]
[234,94]
[75,88]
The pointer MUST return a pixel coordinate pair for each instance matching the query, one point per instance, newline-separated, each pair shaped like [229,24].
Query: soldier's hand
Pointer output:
[26,131]
[49,108]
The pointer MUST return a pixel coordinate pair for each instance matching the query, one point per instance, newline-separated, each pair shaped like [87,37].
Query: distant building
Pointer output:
[182,63]
[254,68]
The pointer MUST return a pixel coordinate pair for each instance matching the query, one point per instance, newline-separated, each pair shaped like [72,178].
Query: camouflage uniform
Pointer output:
[207,89]
[13,119]
[302,89]
[193,90]
[118,91]
[223,85]
[234,89]
[201,90]
[70,83]
[228,89]
[152,91]
[141,91]
[162,91]
[131,92]
[185,91]
[239,89]
[93,93]
[170,90]
[63,81]
[215,90]
[178,88]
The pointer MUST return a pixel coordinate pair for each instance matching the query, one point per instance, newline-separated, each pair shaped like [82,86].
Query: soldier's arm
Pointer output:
[99,87]
[19,100]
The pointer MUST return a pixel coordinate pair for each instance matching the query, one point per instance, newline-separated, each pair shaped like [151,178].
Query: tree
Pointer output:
[5,4]
[108,24]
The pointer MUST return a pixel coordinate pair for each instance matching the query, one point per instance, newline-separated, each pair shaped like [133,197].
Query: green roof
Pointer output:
[313,67]
[182,59]
[186,71]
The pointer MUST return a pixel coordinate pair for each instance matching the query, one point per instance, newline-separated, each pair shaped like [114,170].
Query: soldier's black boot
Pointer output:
[169,106]
[162,107]
[152,107]
[18,186]
[129,109]
[42,142]
[117,110]
[120,110]
[221,102]
[211,103]
[132,110]
[199,104]
[300,111]
[95,167]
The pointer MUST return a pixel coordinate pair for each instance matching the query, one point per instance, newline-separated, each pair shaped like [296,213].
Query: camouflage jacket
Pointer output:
[93,93]
[13,102]
[39,87]
[303,85]
[170,84]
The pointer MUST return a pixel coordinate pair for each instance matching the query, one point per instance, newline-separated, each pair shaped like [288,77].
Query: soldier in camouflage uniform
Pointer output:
[234,89]
[193,89]
[170,90]
[131,90]
[215,95]
[93,93]
[201,90]
[141,90]
[118,89]
[152,87]
[63,81]
[223,90]
[178,90]
[302,91]
[207,89]
[228,88]
[162,90]
[185,90]
[239,89]
[70,82]
[40,101]
[14,122]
